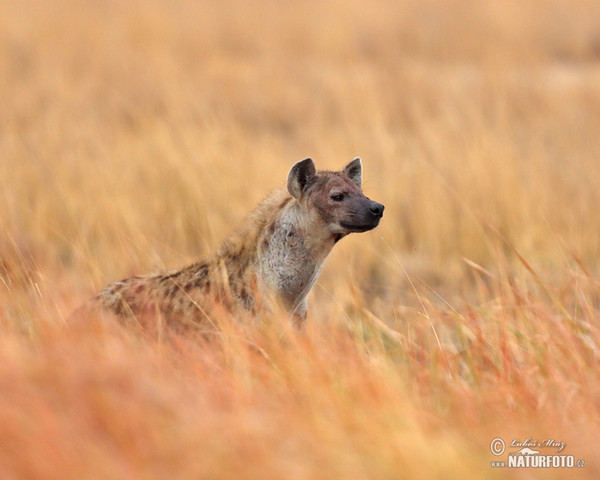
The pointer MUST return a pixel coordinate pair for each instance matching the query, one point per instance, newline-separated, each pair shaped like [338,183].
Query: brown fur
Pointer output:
[276,254]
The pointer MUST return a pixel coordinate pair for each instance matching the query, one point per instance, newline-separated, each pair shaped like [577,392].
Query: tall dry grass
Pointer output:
[134,135]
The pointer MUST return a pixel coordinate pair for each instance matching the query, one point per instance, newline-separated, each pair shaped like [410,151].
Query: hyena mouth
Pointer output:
[359,228]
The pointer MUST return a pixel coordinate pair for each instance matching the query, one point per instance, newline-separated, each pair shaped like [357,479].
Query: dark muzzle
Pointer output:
[376,209]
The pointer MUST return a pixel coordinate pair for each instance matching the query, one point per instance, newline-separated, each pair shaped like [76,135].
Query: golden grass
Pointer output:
[133,135]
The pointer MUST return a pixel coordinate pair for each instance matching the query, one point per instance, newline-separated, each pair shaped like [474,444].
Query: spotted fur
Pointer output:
[276,254]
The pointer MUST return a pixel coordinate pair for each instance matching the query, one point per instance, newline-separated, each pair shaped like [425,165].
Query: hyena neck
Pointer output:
[290,252]
[279,249]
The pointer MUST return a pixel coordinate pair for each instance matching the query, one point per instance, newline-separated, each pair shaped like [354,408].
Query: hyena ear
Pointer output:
[301,175]
[354,171]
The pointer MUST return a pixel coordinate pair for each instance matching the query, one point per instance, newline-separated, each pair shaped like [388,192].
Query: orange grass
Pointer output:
[134,135]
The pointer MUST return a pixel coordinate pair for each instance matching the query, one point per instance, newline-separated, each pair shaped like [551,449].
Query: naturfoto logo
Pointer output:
[530,453]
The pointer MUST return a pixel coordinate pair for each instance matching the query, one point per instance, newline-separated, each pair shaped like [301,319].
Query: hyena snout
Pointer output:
[364,215]
[376,209]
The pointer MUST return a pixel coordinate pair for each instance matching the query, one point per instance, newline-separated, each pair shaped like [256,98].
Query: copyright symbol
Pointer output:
[497,446]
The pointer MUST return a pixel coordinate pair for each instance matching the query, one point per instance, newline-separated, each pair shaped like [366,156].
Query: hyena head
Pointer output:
[336,197]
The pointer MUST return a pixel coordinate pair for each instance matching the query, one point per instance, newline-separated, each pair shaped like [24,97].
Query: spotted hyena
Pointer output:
[277,253]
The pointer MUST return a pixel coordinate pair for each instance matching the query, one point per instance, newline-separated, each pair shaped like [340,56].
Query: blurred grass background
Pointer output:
[135,135]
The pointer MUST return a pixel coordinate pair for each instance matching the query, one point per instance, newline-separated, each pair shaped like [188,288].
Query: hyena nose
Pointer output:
[376,209]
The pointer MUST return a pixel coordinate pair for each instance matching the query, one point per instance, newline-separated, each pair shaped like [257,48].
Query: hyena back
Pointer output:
[277,253]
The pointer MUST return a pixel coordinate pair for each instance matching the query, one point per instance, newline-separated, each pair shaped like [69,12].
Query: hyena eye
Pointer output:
[338,197]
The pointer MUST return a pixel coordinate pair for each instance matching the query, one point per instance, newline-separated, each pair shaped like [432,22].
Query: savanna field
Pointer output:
[134,135]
